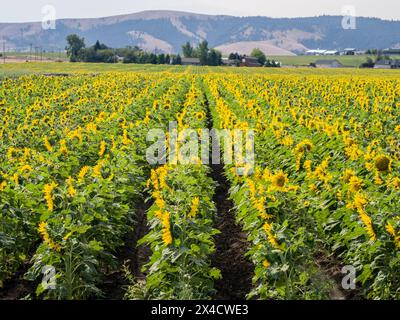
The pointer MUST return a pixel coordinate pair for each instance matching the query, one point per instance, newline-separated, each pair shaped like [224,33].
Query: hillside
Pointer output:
[167,30]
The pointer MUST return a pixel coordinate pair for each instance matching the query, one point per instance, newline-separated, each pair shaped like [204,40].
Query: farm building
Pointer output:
[190,61]
[328,64]
[391,52]
[387,64]
[322,52]
[349,52]
[229,62]
[331,53]
[317,52]
[250,62]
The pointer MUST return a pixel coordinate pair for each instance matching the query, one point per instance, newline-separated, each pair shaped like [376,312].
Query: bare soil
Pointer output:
[231,245]
[132,255]
[332,268]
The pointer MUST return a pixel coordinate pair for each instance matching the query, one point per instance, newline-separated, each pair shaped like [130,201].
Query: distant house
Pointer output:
[331,53]
[328,64]
[317,52]
[387,64]
[190,61]
[250,62]
[349,52]
[320,52]
[229,62]
[391,52]
[396,64]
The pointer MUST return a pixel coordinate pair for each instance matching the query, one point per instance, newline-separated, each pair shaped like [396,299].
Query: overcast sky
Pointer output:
[30,10]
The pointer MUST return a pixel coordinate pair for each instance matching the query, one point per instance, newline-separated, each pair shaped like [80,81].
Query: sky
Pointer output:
[31,10]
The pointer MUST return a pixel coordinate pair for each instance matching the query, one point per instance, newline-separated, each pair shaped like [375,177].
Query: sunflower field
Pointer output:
[324,193]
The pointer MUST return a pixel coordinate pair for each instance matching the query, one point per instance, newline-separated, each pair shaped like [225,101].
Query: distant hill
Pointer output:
[166,31]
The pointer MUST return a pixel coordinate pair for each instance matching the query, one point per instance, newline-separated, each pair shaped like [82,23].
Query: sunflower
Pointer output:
[395,183]
[194,207]
[303,146]
[48,195]
[355,184]
[200,116]
[102,148]
[46,237]
[383,163]
[348,173]
[25,170]
[279,180]
[46,119]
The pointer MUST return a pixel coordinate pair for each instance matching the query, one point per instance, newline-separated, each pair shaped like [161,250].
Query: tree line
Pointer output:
[236,58]
[377,55]
[207,57]
[99,52]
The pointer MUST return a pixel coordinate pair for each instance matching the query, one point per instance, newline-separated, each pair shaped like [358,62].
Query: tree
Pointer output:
[130,57]
[100,46]
[203,52]
[92,55]
[176,59]
[257,53]
[369,63]
[97,45]
[214,58]
[74,47]
[235,56]
[152,58]
[161,59]
[187,50]
[272,64]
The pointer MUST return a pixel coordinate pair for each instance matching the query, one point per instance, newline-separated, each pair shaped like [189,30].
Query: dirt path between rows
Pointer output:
[18,288]
[231,245]
[132,255]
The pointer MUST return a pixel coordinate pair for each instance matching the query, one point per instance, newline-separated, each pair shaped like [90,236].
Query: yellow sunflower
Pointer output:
[279,180]
[383,163]
[200,116]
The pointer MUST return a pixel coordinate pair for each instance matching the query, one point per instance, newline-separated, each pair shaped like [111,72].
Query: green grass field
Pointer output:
[297,61]
[347,61]
[19,69]
[47,55]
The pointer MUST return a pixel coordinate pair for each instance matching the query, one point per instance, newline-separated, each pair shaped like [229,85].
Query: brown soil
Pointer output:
[17,287]
[231,245]
[132,255]
[332,269]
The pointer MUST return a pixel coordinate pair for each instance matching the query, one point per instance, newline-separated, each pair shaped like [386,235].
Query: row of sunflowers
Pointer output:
[73,171]
[181,217]
[326,181]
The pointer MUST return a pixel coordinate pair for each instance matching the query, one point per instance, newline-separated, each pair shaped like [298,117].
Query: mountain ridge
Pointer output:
[167,30]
